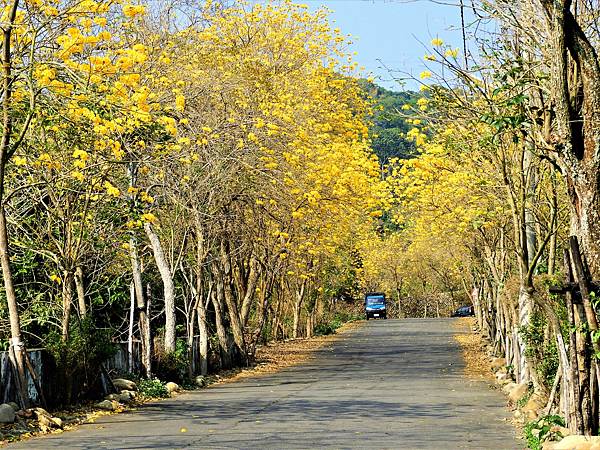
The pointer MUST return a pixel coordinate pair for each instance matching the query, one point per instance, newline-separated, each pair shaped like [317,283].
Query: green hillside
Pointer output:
[389,124]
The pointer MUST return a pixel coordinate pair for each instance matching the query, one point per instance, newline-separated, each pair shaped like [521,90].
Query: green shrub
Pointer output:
[338,319]
[153,388]
[523,400]
[173,366]
[537,431]
[543,352]
[80,358]
[323,329]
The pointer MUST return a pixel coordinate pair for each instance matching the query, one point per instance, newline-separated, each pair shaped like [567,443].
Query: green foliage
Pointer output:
[153,388]
[324,329]
[523,400]
[338,319]
[173,366]
[341,281]
[389,126]
[537,431]
[80,358]
[86,347]
[544,352]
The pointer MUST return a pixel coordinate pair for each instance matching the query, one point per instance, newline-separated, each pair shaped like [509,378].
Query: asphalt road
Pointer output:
[387,384]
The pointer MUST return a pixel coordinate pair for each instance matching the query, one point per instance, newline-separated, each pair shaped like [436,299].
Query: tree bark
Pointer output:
[141,304]
[67,301]
[130,329]
[221,331]
[253,278]
[17,345]
[224,284]
[298,307]
[80,291]
[168,287]
[203,331]
[575,87]
[575,418]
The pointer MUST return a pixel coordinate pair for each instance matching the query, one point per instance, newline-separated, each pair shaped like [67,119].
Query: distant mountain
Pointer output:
[389,122]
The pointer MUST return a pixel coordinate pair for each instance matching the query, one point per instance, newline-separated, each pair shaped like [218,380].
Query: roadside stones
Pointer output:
[517,392]
[126,396]
[509,387]
[108,405]
[7,413]
[574,442]
[172,387]
[563,431]
[498,363]
[535,403]
[200,381]
[45,420]
[25,413]
[14,406]
[501,376]
[123,384]
[41,412]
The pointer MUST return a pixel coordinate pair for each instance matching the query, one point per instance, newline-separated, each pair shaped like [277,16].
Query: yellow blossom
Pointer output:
[19,161]
[111,190]
[149,217]
[180,102]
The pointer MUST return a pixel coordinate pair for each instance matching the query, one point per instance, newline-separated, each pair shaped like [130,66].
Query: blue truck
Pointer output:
[375,305]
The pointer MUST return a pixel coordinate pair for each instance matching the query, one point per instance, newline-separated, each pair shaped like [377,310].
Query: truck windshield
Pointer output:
[375,300]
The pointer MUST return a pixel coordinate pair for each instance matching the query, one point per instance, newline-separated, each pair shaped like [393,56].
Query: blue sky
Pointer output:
[395,32]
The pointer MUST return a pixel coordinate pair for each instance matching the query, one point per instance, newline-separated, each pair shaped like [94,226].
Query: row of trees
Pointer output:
[507,171]
[195,177]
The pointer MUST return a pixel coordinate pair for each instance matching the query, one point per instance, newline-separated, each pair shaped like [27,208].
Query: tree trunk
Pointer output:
[217,301]
[203,331]
[201,302]
[130,330]
[17,345]
[142,307]
[148,331]
[253,278]
[67,301]
[168,287]
[298,307]
[525,307]
[575,418]
[575,88]
[191,322]
[224,284]
[80,291]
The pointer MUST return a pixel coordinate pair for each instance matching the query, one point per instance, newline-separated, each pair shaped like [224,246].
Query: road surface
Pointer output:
[386,384]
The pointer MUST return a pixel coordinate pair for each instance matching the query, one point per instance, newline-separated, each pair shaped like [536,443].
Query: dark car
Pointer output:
[375,305]
[463,311]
